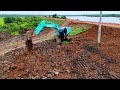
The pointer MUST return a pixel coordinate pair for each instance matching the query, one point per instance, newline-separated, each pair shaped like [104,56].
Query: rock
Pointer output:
[50,71]
[44,77]
[37,77]
[58,46]
[27,70]
[56,73]
[68,71]
[33,77]
[49,75]
[4,69]
[77,51]
[18,78]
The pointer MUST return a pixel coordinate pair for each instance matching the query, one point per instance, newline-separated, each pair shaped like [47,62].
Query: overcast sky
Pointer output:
[58,12]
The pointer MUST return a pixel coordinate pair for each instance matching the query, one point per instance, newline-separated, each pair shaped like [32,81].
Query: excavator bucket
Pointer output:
[29,43]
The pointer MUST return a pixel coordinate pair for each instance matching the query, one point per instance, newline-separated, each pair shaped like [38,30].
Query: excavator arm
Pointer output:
[43,24]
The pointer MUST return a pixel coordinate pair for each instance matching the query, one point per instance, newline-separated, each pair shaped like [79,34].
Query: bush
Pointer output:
[18,19]
[63,17]
[8,20]
[55,16]
[16,33]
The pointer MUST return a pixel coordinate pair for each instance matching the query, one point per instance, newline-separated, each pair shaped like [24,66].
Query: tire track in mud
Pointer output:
[84,67]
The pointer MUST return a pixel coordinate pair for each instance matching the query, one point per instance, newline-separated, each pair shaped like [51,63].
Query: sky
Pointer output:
[59,12]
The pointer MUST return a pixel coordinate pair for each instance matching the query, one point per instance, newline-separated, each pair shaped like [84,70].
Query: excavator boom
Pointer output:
[44,24]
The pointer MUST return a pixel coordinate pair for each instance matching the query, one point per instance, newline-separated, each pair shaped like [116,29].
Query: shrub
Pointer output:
[63,17]
[9,20]
[55,16]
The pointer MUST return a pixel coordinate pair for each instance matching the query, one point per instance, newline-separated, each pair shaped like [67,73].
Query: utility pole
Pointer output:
[99,29]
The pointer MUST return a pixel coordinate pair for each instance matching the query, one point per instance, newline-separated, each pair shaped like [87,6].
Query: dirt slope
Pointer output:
[9,43]
[19,41]
[80,59]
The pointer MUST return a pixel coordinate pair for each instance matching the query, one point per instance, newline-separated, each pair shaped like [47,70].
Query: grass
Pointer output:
[16,33]
[77,31]
[24,24]
[65,42]
[2,21]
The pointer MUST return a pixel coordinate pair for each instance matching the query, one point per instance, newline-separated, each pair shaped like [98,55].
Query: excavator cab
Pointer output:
[63,33]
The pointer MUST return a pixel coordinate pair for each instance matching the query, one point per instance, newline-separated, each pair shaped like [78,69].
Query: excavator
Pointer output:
[61,32]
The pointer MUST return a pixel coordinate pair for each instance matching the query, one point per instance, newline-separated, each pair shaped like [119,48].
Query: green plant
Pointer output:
[16,33]
[63,17]
[65,42]
[55,16]
[9,20]
[2,21]
[77,31]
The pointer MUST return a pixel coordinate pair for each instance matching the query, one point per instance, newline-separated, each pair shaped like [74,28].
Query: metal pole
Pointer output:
[99,28]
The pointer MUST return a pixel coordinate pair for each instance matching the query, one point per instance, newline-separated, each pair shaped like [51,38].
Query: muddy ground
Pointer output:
[80,59]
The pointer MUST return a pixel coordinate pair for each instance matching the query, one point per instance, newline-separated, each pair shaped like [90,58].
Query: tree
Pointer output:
[55,16]
[9,20]
[63,17]
[18,19]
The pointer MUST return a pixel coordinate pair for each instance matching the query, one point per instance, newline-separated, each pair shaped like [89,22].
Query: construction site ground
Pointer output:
[80,59]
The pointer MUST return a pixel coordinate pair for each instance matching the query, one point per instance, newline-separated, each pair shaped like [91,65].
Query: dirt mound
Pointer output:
[4,36]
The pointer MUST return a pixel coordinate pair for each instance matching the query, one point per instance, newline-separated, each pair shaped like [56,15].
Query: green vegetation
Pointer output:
[65,42]
[56,16]
[77,31]
[15,33]
[1,21]
[63,17]
[15,25]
